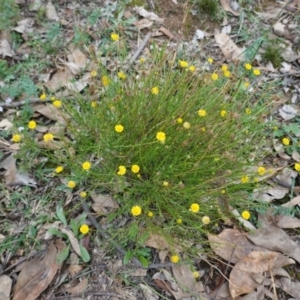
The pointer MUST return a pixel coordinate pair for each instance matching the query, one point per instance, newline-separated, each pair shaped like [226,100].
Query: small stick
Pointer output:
[23,102]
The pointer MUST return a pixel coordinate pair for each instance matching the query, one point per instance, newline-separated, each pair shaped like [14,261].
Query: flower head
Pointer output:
[224,68]
[150,214]
[202,113]
[246,84]
[83,194]
[114,36]
[175,259]
[183,64]
[248,111]
[105,80]
[256,72]
[84,229]
[119,128]
[86,165]
[214,76]
[297,167]
[48,137]
[57,103]
[31,125]
[59,169]
[186,125]
[194,208]
[94,73]
[179,120]
[210,60]
[261,171]
[155,90]
[161,137]
[71,184]
[122,75]
[244,179]
[16,138]
[248,66]
[246,215]
[165,183]
[223,113]
[286,141]
[196,274]
[136,210]
[192,68]
[205,220]
[135,169]
[122,170]
[179,221]
[43,96]
[94,104]
[227,74]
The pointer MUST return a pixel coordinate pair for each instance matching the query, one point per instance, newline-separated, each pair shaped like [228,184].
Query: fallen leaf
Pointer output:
[51,12]
[157,241]
[231,244]
[272,237]
[284,221]
[290,287]
[148,292]
[5,49]
[255,263]
[6,124]
[138,272]
[25,26]
[226,5]
[103,204]
[74,269]
[143,23]
[148,15]
[78,288]
[184,277]
[167,32]
[36,275]
[268,194]
[296,156]
[295,201]
[287,112]
[50,112]
[60,79]
[5,287]
[73,240]
[228,47]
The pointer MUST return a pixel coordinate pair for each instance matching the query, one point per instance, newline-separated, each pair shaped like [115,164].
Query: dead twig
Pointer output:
[23,102]
[92,294]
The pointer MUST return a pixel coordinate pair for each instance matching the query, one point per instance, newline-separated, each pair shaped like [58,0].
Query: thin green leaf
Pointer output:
[57,233]
[143,260]
[60,214]
[84,254]
[74,226]
[62,256]
[128,256]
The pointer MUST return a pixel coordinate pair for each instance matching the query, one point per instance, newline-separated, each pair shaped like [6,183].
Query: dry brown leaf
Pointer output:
[284,221]
[272,237]
[231,244]
[148,292]
[73,240]
[51,12]
[148,15]
[227,7]
[5,49]
[184,277]
[36,275]
[60,79]
[167,32]
[296,156]
[74,269]
[287,112]
[290,287]
[255,263]
[50,112]
[143,23]
[228,47]
[295,201]
[103,204]
[268,194]
[157,241]
[138,272]
[6,124]
[78,288]
[5,287]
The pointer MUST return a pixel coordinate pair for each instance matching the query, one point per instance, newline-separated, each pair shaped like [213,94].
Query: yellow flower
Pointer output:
[223,113]
[93,73]
[179,120]
[59,169]
[16,138]
[105,80]
[122,75]
[86,165]
[71,184]
[297,167]
[214,76]
[53,98]
[183,64]
[246,84]
[84,229]
[43,96]
[248,66]
[138,176]
[202,113]
[155,90]
[194,208]
[161,137]
[135,169]
[57,103]
[179,221]
[175,259]
[205,220]
[150,214]
[94,104]
[136,210]
[224,68]
[223,192]
[248,111]
[261,171]
[119,128]
[286,141]
[210,60]
[227,74]
[192,68]
[256,72]
[83,194]
[142,60]
[186,125]
[196,274]
[245,179]
[246,215]
[48,137]
[165,183]
[122,170]
[31,124]
[114,36]
[203,129]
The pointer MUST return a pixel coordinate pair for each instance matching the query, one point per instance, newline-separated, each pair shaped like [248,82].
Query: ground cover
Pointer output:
[149,150]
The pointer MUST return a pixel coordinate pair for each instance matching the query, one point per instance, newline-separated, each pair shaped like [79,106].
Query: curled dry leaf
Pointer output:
[73,240]
[5,49]
[51,12]
[103,204]
[255,263]
[5,287]
[37,274]
[295,201]
[60,79]
[226,5]
[78,288]
[142,24]
[148,292]
[287,112]
[268,194]
[148,15]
